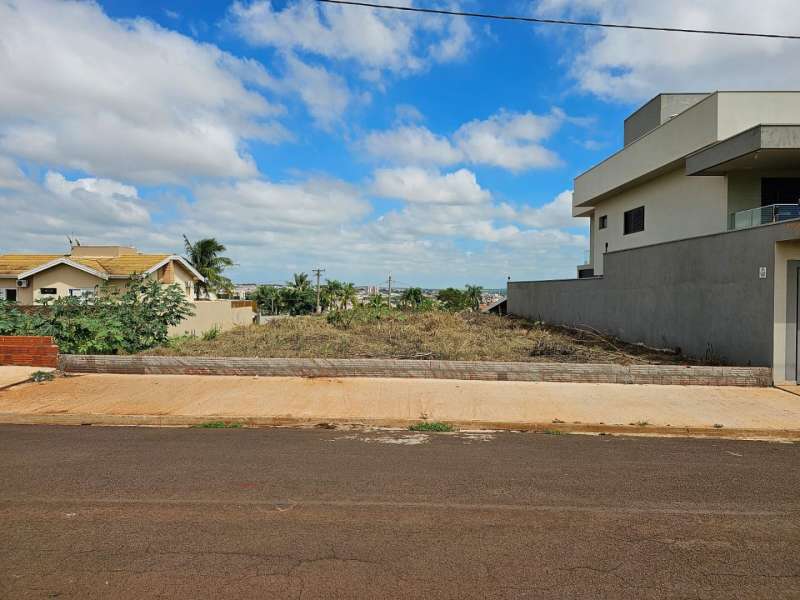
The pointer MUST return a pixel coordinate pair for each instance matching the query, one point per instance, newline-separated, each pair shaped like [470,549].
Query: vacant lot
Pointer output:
[426,335]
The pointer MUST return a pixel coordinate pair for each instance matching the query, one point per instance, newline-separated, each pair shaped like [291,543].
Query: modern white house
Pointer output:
[694,232]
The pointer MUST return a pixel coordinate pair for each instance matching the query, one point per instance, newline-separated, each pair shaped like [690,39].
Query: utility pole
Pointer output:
[390,291]
[318,272]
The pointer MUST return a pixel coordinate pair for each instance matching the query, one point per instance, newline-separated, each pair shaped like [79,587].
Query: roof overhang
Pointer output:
[763,147]
[185,263]
[62,261]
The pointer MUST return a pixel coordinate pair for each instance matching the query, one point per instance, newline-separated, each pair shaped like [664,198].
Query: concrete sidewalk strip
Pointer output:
[188,400]
[14,375]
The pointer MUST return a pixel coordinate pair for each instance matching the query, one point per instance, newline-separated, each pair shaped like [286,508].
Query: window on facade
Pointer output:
[603,222]
[48,291]
[633,220]
[81,292]
[780,190]
[9,294]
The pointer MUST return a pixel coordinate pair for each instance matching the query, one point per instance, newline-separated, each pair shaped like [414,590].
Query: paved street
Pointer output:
[89,512]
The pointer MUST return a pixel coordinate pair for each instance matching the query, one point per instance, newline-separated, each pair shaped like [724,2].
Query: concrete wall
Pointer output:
[717,117]
[213,313]
[656,112]
[660,149]
[676,207]
[425,369]
[703,295]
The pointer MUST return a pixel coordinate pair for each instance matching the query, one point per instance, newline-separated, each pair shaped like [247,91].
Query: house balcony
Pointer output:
[763,215]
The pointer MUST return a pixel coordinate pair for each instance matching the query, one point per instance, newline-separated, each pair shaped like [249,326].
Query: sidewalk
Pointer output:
[581,407]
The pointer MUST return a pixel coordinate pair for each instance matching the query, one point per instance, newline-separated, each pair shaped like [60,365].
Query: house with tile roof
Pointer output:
[30,278]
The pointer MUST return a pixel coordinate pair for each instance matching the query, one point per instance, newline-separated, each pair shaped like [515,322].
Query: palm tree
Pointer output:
[204,255]
[411,297]
[474,295]
[348,295]
[268,299]
[298,297]
[332,293]
[299,282]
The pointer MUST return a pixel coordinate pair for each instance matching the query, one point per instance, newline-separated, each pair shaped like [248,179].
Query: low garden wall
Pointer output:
[28,351]
[422,369]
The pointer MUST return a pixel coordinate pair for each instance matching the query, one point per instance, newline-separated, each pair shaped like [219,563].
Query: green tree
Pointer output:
[474,295]
[349,295]
[411,297]
[331,294]
[268,299]
[204,255]
[298,297]
[453,299]
[111,321]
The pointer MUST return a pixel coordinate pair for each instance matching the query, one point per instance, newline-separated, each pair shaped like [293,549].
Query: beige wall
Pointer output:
[784,252]
[690,131]
[23,294]
[676,207]
[61,277]
[739,111]
[211,313]
[64,277]
[185,279]
[717,117]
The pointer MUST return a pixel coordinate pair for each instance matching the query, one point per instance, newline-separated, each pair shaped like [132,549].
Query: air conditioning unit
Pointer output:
[23,283]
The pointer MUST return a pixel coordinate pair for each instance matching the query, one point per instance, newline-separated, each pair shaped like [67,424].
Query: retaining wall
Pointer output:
[422,369]
[28,351]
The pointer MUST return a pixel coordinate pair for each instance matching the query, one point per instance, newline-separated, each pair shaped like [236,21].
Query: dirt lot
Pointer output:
[427,335]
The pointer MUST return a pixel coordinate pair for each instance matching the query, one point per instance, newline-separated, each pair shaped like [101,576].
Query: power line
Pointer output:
[455,13]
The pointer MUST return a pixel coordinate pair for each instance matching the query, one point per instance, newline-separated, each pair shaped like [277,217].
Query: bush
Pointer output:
[113,321]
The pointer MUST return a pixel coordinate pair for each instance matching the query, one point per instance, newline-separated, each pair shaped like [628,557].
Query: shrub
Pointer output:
[431,426]
[113,321]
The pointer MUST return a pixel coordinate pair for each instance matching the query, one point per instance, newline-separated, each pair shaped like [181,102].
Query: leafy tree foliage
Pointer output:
[204,255]
[112,321]
[474,295]
[453,299]
[411,298]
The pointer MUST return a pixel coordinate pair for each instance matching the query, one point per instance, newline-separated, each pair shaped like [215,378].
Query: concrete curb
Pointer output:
[419,369]
[255,422]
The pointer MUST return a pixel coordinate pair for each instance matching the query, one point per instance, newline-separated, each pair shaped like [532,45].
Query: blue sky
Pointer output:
[439,149]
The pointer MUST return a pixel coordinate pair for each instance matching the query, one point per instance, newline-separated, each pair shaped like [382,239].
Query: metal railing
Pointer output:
[763,215]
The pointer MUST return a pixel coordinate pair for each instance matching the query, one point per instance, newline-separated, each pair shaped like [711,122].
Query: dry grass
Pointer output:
[426,335]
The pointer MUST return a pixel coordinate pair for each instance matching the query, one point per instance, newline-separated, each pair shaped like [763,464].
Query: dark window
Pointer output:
[11,294]
[584,273]
[780,190]
[47,291]
[603,222]
[634,220]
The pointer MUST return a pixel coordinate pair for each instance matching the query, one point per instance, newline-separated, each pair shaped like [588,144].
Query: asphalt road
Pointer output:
[91,512]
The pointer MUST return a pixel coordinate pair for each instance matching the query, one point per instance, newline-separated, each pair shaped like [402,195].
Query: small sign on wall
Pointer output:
[762,272]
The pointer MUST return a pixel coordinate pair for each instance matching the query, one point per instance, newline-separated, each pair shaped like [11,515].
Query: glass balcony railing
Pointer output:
[763,215]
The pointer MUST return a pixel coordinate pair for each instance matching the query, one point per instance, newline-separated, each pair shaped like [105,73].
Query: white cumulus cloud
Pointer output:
[125,99]
[416,185]
[375,39]
[633,65]
[508,140]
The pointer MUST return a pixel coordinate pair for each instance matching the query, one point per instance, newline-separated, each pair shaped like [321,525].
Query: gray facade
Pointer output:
[656,112]
[704,295]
